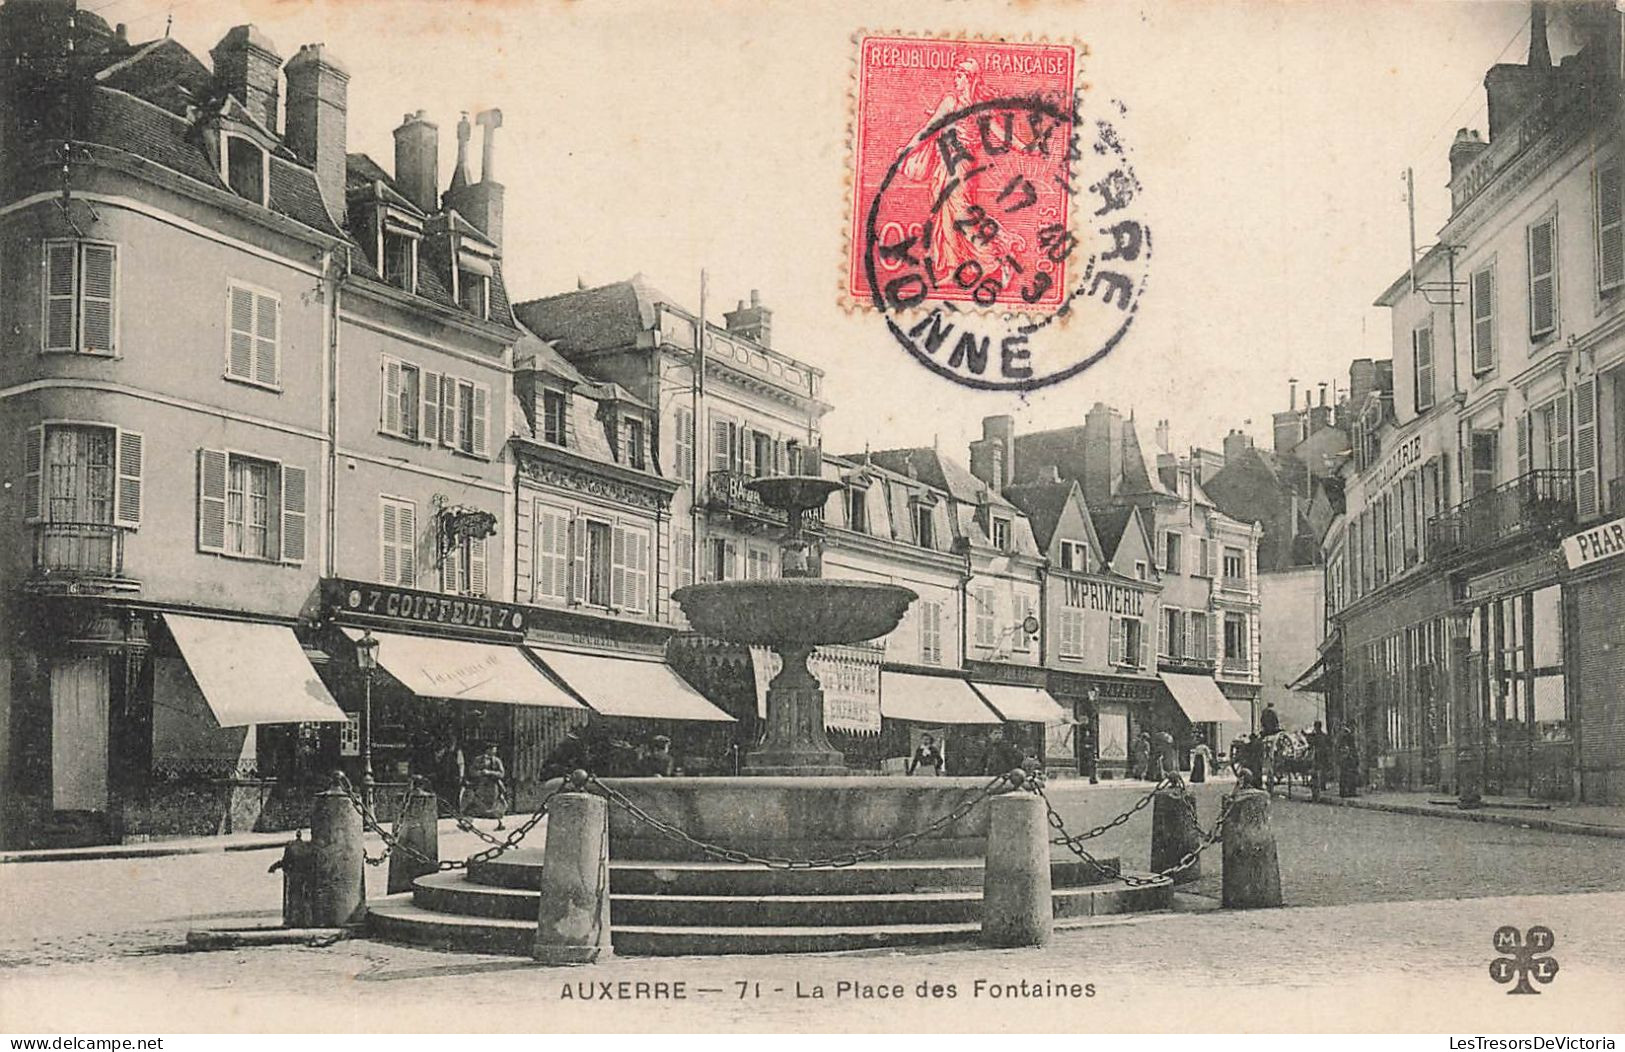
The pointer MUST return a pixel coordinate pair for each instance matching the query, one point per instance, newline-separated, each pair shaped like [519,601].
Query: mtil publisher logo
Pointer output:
[1527,957]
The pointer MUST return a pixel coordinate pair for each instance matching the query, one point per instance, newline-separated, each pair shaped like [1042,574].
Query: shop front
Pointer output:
[915,702]
[453,679]
[1107,711]
[1513,700]
[1595,593]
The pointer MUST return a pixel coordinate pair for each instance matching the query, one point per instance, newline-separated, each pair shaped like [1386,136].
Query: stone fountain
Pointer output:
[792,615]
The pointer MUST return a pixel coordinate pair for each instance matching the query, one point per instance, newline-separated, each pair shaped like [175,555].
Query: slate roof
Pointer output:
[934,469]
[1109,526]
[1043,503]
[587,320]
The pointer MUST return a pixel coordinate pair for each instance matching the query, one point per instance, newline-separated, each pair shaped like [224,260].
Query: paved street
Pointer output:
[1371,925]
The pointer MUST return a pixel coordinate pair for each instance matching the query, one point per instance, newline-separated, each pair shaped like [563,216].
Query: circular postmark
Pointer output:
[986,255]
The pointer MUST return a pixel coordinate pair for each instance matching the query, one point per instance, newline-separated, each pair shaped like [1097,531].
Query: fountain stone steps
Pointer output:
[398,919]
[522,870]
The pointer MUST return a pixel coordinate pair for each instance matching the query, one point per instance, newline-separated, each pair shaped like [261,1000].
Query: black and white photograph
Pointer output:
[932,518]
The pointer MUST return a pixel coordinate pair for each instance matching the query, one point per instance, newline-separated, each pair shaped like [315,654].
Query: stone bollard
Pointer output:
[338,891]
[1252,874]
[573,922]
[417,838]
[1017,908]
[1173,832]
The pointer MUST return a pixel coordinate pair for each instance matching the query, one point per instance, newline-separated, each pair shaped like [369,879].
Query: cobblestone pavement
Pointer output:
[1375,966]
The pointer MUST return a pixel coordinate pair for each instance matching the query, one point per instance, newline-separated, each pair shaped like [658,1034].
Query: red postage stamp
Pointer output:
[962,180]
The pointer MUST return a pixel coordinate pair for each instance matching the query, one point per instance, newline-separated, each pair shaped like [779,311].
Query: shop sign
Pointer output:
[1595,545]
[1101,595]
[1410,453]
[1519,578]
[1113,736]
[362,600]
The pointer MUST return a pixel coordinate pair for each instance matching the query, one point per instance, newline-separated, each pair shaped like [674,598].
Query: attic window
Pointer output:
[923,533]
[553,405]
[1001,534]
[400,267]
[474,293]
[244,166]
[635,444]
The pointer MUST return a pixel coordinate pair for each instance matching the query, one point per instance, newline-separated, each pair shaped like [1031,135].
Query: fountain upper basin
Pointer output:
[804,611]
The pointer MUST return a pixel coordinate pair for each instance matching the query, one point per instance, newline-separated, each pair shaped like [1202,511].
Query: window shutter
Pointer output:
[1145,648]
[96,292]
[719,445]
[211,500]
[1115,642]
[1542,278]
[392,396]
[578,558]
[61,288]
[293,514]
[747,440]
[1610,227]
[1422,340]
[482,413]
[476,566]
[640,562]
[617,567]
[448,411]
[388,544]
[1523,445]
[33,459]
[1213,630]
[1560,439]
[267,334]
[130,456]
[430,429]
[1586,501]
[240,344]
[450,566]
[1162,632]
[1483,309]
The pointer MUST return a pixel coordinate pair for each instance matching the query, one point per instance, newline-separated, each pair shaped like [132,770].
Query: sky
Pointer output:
[1270,139]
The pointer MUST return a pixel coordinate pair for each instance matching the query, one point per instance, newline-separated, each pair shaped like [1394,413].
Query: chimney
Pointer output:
[1292,397]
[1465,150]
[754,322]
[1288,430]
[1162,435]
[1102,454]
[417,161]
[1362,381]
[1320,417]
[480,203]
[1323,386]
[1511,89]
[1236,443]
[992,457]
[318,104]
[247,65]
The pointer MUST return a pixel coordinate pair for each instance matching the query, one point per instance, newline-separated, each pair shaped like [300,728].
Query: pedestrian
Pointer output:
[1002,756]
[926,755]
[574,753]
[658,762]
[1320,756]
[450,769]
[1167,755]
[1153,757]
[1348,762]
[1139,750]
[1269,722]
[488,785]
[1201,760]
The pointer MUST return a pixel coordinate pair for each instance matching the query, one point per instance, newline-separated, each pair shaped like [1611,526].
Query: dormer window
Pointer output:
[474,293]
[1001,534]
[400,261]
[857,509]
[635,445]
[245,167]
[473,268]
[1074,555]
[553,409]
[924,534]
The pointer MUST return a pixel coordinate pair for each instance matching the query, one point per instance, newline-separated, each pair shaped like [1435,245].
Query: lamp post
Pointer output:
[366,659]
[1094,736]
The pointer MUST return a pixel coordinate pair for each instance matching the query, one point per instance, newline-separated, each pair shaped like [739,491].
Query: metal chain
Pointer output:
[841,861]
[498,845]
[1075,843]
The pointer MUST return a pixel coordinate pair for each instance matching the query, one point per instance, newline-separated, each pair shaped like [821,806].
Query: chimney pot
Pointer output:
[417,161]
[318,105]
[246,64]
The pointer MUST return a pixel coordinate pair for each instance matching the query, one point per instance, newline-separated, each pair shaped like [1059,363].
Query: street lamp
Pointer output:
[366,659]
[1094,736]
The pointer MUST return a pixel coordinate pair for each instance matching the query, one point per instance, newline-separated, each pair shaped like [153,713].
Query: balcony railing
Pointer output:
[1535,502]
[1236,663]
[727,491]
[87,549]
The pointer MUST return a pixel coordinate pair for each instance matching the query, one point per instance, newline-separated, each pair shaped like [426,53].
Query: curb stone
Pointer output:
[1549,825]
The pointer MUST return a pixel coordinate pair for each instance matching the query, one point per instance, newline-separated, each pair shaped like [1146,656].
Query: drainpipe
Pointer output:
[332,284]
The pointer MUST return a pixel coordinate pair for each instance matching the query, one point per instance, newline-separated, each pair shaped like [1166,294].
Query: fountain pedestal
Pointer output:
[795,743]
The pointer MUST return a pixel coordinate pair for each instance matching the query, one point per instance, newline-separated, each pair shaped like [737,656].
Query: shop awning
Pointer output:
[251,672]
[1022,704]
[1201,699]
[452,668]
[1313,678]
[931,699]
[645,688]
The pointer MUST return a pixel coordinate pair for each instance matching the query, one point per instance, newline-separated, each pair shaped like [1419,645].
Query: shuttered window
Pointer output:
[1071,633]
[931,633]
[252,508]
[433,407]
[1482,296]
[683,447]
[397,542]
[551,545]
[252,348]
[1610,207]
[1587,501]
[1543,278]
[463,567]
[682,557]
[80,283]
[83,474]
[629,568]
[1422,354]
